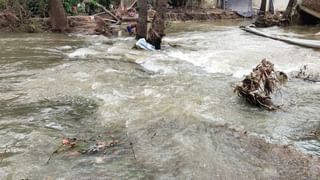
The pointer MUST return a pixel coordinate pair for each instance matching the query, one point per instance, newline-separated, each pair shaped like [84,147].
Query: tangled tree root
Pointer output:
[257,87]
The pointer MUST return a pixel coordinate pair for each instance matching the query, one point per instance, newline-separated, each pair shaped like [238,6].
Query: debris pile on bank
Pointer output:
[268,20]
[257,87]
[304,12]
[12,21]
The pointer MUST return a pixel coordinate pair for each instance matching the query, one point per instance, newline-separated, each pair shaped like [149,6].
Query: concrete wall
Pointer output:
[279,5]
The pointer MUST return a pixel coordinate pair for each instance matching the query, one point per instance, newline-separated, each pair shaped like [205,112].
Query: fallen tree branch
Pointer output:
[107,11]
[131,6]
[100,13]
[110,20]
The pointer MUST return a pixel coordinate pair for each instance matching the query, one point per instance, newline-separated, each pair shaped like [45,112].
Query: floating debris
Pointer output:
[75,147]
[306,74]
[257,87]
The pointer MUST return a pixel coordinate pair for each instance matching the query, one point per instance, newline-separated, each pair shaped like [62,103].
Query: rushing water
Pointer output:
[159,105]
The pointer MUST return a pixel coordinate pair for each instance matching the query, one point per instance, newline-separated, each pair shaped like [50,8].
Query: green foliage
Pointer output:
[68,4]
[2,4]
[38,7]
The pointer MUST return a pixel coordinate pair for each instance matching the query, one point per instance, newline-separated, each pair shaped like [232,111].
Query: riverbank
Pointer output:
[101,25]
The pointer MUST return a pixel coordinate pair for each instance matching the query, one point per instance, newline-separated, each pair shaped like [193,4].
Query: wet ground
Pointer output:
[173,113]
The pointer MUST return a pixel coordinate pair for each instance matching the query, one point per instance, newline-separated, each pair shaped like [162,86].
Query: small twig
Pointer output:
[110,20]
[131,6]
[153,135]
[2,157]
[99,14]
[107,11]
[131,146]
[54,152]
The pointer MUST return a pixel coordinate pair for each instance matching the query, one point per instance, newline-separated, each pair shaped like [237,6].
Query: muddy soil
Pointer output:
[200,15]
[10,22]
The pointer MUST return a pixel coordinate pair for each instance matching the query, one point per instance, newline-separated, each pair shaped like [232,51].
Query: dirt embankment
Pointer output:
[200,15]
[11,22]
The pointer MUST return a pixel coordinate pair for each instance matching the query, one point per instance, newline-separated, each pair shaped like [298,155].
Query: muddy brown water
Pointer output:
[173,111]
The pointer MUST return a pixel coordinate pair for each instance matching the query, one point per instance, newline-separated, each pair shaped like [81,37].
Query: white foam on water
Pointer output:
[64,47]
[81,76]
[241,73]
[111,98]
[110,70]
[151,92]
[155,66]
[54,125]
[82,53]
[95,85]
[234,52]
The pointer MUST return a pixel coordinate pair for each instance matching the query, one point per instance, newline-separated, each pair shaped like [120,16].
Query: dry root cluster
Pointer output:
[257,87]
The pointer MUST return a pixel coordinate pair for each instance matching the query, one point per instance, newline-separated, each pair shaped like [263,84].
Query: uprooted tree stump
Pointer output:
[257,87]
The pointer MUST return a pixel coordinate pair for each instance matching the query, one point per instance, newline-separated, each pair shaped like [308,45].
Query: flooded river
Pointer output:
[172,112]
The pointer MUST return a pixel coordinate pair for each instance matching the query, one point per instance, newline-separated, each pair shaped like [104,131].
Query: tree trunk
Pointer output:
[290,9]
[271,7]
[156,33]
[142,26]
[58,18]
[263,7]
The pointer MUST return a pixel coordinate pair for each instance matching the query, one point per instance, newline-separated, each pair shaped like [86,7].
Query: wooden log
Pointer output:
[110,20]
[127,18]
